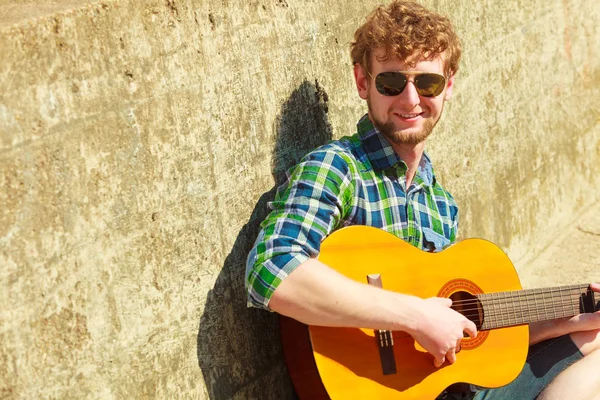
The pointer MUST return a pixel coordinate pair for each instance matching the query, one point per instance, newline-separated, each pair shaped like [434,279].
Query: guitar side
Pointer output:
[348,359]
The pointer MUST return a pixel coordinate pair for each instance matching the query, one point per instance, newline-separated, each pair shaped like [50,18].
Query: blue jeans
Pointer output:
[545,361]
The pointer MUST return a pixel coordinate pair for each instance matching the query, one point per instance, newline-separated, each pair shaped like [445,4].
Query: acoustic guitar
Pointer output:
[352,363]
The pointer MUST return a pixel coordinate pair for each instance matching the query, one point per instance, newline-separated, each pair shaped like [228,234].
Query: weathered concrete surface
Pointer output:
[140,141]
[573,256]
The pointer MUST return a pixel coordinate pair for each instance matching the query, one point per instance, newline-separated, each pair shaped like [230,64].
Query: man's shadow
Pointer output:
[239,349]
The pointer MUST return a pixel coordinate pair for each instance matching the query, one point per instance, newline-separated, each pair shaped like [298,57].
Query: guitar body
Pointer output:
[348,359]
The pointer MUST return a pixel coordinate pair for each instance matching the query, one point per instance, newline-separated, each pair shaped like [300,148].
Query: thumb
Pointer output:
[444,301]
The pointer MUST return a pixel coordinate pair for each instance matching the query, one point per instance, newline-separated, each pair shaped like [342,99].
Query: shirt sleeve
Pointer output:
[309,207]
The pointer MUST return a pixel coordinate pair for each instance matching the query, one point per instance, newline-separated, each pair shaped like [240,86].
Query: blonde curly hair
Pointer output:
[407,31]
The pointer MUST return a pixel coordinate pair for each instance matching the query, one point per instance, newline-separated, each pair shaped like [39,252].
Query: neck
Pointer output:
[411,155]
[504,309]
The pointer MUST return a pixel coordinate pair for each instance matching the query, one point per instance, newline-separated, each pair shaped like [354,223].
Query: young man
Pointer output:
[405,60]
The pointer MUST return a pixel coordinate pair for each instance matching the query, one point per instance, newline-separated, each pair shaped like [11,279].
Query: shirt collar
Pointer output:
[382,155]
[425,170]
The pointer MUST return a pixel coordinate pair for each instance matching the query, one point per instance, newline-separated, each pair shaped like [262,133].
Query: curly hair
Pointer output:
[407,31]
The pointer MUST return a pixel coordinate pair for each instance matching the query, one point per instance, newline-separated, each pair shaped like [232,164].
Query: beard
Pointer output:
[399,136]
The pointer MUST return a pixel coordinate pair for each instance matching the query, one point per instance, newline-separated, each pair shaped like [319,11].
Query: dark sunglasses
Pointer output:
[393,83]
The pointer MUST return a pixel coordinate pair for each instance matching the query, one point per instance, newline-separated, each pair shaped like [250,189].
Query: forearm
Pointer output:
[317,295]
[543,330]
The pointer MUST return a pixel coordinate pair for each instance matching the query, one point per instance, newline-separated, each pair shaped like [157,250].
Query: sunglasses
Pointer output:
[393,83]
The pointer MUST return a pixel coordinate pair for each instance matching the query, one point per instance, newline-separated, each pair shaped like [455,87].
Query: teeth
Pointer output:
[408,115]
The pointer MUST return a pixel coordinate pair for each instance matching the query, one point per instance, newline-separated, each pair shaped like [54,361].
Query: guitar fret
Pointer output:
[513,314]
[546,306]
[537,293]
[536,296]
[529,304]
[575,303]
[498,318]
[525,314]
[552,310]
[502,309]
[558,308]
[525,308]
[494,320]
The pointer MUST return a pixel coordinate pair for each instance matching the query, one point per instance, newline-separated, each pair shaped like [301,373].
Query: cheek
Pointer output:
[383,103]
[435,106]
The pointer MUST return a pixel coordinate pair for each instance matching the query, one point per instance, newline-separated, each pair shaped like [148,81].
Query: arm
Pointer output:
[317,295]
[539,331]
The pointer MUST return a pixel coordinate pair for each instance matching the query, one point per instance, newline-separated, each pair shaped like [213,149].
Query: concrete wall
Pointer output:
[140,141]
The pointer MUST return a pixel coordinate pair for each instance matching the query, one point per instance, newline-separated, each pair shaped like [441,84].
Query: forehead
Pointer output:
[413,63]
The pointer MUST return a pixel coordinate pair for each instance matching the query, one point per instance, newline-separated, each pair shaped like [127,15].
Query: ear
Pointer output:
[449,87]
[362,81]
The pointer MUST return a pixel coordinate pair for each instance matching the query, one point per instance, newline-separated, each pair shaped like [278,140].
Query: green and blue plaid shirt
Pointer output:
[357,180]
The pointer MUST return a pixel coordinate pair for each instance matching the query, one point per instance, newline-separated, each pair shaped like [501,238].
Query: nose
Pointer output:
[409,98]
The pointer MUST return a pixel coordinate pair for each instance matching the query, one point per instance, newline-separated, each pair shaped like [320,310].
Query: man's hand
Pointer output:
[442,329]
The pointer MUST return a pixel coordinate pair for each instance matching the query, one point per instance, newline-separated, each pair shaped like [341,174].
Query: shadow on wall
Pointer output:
[239,350]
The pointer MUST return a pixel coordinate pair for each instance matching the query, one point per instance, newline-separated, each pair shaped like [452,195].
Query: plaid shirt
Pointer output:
[357,180]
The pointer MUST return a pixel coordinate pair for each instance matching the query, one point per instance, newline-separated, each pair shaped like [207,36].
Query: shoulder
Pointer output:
[442,193]
[344,154]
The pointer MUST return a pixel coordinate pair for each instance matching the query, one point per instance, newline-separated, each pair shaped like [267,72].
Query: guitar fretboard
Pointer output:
[520,307]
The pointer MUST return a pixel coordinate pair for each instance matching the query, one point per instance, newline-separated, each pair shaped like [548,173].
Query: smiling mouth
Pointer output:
[408,116]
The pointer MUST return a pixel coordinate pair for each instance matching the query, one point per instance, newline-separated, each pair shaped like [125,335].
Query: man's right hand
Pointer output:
[441,329]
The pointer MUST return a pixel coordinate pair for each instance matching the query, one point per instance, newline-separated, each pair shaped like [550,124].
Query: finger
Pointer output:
[595,286]
[471,329]
[437,362]
[458,346]
[444,301]
[451,356]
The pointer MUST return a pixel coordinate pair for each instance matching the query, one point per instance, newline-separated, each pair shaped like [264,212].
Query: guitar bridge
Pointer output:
[385,339]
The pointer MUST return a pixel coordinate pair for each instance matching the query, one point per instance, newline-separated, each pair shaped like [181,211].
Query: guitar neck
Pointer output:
[504,309]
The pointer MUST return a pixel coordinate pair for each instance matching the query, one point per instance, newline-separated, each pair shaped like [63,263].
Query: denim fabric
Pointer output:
[545,361]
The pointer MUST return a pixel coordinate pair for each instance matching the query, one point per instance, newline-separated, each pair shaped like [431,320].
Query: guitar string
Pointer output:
[524,304]
[520,309]
[534,315]
[517,296]
[526,293]
[493,320]
[517,301]
[521,302]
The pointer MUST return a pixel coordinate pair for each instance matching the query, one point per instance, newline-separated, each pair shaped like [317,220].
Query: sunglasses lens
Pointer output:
[430,85]
[390,83]
[393,83]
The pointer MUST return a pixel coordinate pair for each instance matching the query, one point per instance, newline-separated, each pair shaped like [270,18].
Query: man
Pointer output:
[405,60]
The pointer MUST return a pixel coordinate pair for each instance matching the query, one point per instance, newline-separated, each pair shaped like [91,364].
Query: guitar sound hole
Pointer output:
[468,305]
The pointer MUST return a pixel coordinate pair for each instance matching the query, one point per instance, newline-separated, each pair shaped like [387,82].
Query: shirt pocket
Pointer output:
[433,241]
